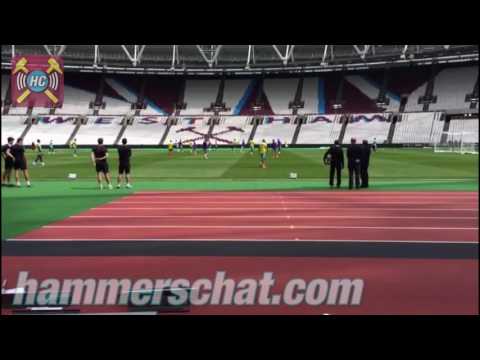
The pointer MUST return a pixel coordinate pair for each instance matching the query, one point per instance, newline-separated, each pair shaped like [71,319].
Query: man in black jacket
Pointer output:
[354,155]
[334,158]
[365,162]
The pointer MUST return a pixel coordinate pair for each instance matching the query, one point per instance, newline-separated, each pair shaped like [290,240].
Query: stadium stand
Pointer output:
[313,95]
[96,127]
[146,130]
[189,129]
[161,94]
[320,129]
[372,90]
[199,95]
[51,128]
[451,87]
[232,128]
[5,85]
[280,92]
[234,95]
[17,110]
[12,126]
[278,127]
[76,101]
[368,127]
[418,128]
[468,126]
[122,104]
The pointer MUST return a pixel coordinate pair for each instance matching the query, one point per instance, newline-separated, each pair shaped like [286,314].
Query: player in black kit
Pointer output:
[354,155]
[124,155]
[99,158]
[8,160]
[365,163]
[334,158]
[20,164]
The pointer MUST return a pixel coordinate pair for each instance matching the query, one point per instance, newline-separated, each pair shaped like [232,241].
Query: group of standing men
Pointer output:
[358,157]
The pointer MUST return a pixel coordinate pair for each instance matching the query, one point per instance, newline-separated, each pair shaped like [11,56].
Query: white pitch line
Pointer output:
[267,216]
[300,227]
[253,241]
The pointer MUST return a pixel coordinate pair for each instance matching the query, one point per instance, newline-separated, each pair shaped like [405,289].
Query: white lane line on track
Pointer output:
[269,217]
[314,196]
[286,203]
[299,227]
[105,208]
[253,241]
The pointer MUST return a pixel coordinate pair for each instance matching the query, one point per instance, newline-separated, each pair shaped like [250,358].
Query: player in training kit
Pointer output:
[170,148]
[51,149]
[124,155]
[73,146]
[39,158]
[252,147]
[99,159]
[263,154]
[205,146]
[8,160]
[194,148]
[18,152]
[279,147]
[274,149]
[354,156]
[374,145]
[242,147]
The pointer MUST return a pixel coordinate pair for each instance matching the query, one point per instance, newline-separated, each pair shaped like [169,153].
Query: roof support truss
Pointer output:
[362,52]
[288,53]
[211,55]
[137,53]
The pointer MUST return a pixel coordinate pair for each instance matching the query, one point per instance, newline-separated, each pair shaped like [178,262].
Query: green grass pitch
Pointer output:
[52,197]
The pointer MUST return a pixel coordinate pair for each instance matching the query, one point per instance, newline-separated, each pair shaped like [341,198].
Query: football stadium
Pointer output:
[240,179]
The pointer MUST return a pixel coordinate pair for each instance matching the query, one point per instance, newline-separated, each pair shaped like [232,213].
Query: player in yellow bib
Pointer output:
[263,154]
[170,148]
[73,146]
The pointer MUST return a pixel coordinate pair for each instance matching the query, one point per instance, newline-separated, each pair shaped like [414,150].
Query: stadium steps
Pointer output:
[391,131]
[74,132]
[297,101]
[141,97]
[120,134]
[344,128]
[297,133]
[6,102]
[446,128]
[99,96]
[254,130]
[429,98]
[474,94]
[29,125]
[165,134]
[210,129]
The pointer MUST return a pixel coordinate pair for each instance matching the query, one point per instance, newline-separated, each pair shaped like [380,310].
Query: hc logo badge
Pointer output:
[37,81]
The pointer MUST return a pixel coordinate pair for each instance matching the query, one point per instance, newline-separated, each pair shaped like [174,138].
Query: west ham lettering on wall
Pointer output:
[37,81]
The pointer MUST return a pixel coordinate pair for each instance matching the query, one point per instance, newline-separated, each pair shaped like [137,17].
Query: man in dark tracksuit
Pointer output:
[335,154]
[365,162]
[354,155]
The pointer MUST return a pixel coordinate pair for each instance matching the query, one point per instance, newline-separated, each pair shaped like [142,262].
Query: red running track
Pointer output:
[276,216]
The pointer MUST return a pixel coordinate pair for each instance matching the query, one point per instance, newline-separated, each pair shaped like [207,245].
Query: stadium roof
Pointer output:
[241,59]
